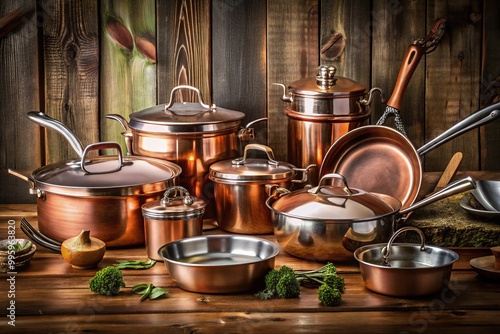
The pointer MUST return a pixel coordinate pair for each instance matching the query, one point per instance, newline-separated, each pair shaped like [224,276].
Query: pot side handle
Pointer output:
[127,133]
[33,189]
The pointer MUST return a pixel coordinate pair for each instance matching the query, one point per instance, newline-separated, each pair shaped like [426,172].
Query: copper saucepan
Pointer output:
[377,158]
[103,194]
[404,269]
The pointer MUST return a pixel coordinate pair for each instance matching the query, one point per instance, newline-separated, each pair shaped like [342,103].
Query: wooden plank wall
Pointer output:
[81,60]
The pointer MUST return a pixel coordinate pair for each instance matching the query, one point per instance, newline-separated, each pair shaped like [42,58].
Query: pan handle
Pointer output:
[453,188]
[473,121]
[48,122]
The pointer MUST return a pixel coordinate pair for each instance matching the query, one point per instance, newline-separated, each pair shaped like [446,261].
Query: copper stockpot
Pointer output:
[192,135]
[172,218]
[240,189]
[320,110]
[102,194]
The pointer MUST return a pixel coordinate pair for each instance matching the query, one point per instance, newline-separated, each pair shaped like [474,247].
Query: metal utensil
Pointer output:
[38,237]
[414,53]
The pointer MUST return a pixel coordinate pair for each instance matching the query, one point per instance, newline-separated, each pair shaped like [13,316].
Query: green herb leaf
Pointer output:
[140,288]
[147,292]
[157,292]
[135,264]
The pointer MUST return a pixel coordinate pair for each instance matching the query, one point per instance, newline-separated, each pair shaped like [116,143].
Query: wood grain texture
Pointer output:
[20,141]
[184,49]
[239,62]
[292,54]
[396,25]
[490,85]
[427,321]
[453,79]
[352,20]
[62,59]
[128,72]
[71,78]
[69,305]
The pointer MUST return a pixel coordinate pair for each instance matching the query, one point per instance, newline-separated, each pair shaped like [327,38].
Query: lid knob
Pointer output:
[325,77]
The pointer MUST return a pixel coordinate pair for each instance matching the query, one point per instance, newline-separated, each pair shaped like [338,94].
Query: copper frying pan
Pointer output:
[377,158]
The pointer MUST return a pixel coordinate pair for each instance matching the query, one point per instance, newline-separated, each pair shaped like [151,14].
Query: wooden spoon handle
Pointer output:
[450,171]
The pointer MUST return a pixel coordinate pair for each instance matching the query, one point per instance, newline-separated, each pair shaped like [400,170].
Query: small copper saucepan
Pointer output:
[405,269]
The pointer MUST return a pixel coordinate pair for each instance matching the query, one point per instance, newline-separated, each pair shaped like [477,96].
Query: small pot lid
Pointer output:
[105,175]
[336,203]
[251,169]
[182,206]
[326,85]
[185,116]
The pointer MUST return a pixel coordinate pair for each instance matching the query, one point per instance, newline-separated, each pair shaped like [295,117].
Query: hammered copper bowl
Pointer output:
[219,263]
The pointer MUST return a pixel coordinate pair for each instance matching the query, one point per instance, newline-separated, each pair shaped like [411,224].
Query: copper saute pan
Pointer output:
[329,222]
[103,194]
[377,158]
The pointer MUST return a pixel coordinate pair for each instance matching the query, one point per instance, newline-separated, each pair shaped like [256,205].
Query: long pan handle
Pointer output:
[473,121]
[43,120]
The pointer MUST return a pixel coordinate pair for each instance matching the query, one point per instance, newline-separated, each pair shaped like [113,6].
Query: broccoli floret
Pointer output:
[272,279]
[328,295]
[282,283]
[288,286]
[335,281]
[328,269]
[107,281]
[286,282]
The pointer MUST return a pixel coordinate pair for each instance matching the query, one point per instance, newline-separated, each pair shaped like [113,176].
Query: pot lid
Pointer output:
[185,116]
[339,203]
[326,85]
[105,175]
[251,169]
[181,206]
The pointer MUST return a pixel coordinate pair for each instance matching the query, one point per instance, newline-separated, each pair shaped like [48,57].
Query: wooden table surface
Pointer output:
[50,296]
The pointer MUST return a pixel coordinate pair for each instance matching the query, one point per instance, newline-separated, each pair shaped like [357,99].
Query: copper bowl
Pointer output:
[219,263]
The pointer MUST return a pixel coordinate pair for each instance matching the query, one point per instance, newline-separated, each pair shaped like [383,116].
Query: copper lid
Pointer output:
[335,203]
[326,85]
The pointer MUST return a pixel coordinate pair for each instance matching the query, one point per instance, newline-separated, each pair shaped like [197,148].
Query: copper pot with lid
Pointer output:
[320,110]
[103,194]
[193,135]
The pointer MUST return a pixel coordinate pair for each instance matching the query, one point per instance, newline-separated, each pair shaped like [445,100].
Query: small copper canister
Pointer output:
[176,216]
